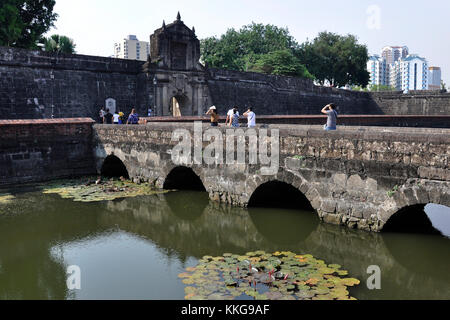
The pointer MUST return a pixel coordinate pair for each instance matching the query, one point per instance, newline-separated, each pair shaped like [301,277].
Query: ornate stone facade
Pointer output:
[174,72]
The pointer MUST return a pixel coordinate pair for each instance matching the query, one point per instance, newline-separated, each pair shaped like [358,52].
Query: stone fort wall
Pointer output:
[76,85]
[39,150]
[279,95]
[35,85]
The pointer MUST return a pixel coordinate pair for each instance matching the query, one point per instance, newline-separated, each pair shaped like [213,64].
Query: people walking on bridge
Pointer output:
[101,114]
[116,118]
[133,118]
[230,114]
[121,117]
[235,118]
[107,118]
[330,111]
[214,116]
[251,117]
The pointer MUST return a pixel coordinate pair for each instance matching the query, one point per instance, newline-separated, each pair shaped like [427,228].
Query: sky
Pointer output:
[423,26]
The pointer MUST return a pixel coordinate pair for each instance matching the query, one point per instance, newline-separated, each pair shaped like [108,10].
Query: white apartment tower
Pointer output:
[131,48]
[410,73]
[434,78]
[378,70]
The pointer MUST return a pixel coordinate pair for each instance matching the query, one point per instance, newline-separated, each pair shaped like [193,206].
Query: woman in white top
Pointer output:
[251,118]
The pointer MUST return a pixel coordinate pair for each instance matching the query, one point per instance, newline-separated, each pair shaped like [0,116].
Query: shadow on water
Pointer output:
[182,206]
[284,227]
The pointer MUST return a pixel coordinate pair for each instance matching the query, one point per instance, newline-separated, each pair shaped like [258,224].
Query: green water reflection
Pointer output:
[135,248]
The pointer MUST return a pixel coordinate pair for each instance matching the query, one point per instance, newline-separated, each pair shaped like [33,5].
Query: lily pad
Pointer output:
[262,276]
[93,190]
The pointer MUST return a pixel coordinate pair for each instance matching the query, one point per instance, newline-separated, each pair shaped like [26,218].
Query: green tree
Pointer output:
[240,50]
[59,44]
[443,86]
[281,62]
[23,22]
[338,60]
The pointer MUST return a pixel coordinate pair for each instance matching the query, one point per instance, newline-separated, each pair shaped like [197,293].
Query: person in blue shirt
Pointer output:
[133,118]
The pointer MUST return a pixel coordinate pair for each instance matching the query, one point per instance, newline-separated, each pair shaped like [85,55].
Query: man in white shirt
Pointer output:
[251,118]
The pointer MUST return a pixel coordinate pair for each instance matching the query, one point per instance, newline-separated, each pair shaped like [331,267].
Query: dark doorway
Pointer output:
[183,178]
[276,194]
[113,167]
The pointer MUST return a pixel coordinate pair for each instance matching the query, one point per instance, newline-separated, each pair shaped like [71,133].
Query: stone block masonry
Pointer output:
[37,85]
[358,176]
[39,150]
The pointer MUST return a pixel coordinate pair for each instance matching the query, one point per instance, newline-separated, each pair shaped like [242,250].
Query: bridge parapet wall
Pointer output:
[357,176]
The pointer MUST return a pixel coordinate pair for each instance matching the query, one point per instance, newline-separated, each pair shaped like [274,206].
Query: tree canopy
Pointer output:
[59,44]
[281,62]
[329,58]
[23,22]
[338,60]
[255,47]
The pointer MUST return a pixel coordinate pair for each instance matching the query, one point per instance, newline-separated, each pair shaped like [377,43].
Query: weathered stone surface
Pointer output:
[344,188]
[36,150]
[36,84]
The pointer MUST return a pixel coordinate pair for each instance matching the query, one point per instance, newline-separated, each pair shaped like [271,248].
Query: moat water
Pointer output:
[135,248]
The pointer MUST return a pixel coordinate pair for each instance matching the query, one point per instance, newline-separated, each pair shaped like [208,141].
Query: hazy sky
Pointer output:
[424,26]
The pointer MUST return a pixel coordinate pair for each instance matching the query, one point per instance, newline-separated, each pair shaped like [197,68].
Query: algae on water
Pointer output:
[93,190]
[263,276]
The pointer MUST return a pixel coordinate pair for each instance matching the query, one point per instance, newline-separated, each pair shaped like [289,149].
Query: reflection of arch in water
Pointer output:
[113,167]
[178,105]
[420,254]
[282,226]
[183,178]
[277,194]
[187,205]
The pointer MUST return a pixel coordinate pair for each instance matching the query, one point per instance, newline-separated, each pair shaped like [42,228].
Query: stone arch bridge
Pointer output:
[359,177]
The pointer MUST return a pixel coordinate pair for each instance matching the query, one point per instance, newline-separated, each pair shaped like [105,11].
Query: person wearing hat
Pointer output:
[214,116]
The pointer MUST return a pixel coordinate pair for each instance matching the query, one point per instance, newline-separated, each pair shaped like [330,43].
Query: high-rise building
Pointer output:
[410,73]
[394,53]
[131,48]
[399,69]
[378,70]
[434,79]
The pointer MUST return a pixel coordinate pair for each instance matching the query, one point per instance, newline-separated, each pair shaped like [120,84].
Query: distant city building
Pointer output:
[378,70]
[399,69]
[131,48]
[434,79]
[394,53]
[410,73]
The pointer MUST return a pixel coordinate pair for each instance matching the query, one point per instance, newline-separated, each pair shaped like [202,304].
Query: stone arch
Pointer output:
[288,178]
[409,201]
[114,167]
[277,194]
[183,178]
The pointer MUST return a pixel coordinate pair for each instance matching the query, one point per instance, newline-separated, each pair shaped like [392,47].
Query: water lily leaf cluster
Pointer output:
[263,276]
[94,190]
